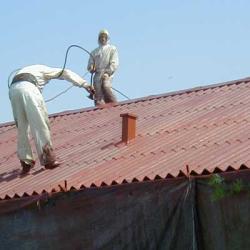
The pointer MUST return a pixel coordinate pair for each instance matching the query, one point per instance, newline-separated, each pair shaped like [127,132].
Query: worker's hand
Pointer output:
[92,68]
[90,89]
[105,76]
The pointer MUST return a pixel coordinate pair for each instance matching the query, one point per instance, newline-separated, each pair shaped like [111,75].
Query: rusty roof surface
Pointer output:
[206,129]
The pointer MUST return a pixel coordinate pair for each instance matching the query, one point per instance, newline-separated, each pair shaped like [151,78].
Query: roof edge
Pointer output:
[182,175]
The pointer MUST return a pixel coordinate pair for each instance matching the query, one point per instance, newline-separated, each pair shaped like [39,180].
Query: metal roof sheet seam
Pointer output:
[206,128]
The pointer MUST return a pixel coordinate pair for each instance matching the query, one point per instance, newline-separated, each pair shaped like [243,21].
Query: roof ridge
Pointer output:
[6,124]
[150,97]
[145,98]
[190,90]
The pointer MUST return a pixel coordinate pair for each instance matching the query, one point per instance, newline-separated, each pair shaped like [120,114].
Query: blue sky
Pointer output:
[163,45]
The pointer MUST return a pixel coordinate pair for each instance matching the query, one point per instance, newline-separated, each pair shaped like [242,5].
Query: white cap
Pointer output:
[104,31]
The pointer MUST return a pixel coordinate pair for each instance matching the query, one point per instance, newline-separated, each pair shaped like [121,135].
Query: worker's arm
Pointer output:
[113,62]
[91,65]
[68,75]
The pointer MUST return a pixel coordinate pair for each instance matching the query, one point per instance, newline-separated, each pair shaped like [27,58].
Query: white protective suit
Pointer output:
[106,62]
[30,112]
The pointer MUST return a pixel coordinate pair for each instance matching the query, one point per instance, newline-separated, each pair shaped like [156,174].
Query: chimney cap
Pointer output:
[130,115]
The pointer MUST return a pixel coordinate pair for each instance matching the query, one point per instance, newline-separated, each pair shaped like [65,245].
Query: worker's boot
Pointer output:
[49,158]
[26,166]
[52,165]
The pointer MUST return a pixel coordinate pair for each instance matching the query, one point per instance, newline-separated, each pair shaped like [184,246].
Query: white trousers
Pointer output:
[30,114]
[103,89]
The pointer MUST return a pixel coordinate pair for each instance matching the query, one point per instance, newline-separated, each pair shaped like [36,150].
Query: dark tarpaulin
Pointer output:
[150,215]
[224,224]
[165,214]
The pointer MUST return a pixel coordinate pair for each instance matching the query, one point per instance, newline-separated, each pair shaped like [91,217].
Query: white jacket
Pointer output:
[44,73]
[106,59]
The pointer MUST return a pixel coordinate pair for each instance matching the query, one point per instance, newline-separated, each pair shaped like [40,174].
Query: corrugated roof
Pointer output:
[206,129]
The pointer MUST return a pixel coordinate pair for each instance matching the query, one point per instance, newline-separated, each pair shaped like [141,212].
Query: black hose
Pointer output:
[63,68]
[120,93]
[91,78]
[66,58]
[63,92]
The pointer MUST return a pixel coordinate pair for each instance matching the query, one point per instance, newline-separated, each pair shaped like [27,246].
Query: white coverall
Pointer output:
[106,62]
[30,112]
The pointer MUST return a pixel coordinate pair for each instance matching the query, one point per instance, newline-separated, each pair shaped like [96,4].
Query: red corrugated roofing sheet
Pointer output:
[206,128]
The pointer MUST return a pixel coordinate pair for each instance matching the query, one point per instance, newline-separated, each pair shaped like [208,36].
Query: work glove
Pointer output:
[90,89]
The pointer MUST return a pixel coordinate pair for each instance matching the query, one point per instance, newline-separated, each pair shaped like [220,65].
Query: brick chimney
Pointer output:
[128,127]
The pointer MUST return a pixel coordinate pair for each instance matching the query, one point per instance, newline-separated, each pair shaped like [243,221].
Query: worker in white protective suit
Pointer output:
[30,112]
[103,63]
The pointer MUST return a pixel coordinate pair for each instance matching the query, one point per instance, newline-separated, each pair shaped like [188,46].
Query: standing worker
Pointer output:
[30,112]
[103,63]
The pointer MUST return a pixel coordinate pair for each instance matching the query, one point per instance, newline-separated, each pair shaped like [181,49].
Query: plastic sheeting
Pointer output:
[165,214]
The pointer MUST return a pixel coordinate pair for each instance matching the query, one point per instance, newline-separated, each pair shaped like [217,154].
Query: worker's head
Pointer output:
[103,37]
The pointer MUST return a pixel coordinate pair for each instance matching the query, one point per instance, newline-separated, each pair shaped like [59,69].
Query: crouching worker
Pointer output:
[30,112]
